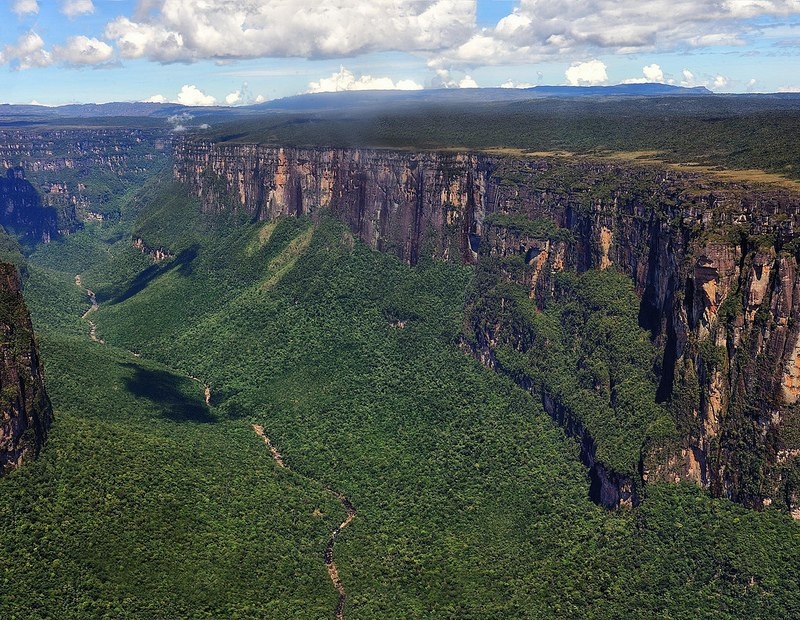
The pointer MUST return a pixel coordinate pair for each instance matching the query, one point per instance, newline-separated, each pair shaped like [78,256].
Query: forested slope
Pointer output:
[471,502]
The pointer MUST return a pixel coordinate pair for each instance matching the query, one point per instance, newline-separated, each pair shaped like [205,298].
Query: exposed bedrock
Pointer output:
[25,411]
[714,263]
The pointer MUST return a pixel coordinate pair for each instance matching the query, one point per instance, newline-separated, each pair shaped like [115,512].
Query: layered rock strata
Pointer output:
[715,265]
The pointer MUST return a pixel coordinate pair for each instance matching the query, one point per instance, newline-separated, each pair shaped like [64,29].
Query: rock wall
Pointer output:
[22,212]
[714,263]
[403,203]
[25,411]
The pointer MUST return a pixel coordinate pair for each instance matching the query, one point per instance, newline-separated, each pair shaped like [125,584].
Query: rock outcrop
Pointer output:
[715,265]
[406,204]
[25,411]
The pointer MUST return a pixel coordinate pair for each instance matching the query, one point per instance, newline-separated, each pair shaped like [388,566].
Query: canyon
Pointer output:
[646,311]
[714,264]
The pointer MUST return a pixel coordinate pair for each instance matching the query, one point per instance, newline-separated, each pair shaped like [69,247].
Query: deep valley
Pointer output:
[530,384]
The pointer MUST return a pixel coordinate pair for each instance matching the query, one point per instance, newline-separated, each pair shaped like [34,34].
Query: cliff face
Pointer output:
[405,204]
[22,212]
[715,266]
[25,411]
[79,174]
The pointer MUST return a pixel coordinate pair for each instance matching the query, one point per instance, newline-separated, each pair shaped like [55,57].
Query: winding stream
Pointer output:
[333,571]
[94,306]
[351,512]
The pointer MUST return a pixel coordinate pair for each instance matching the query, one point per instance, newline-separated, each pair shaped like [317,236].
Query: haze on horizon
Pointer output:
[233,52]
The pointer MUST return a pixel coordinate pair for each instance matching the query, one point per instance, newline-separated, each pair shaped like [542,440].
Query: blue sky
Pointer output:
[242,51]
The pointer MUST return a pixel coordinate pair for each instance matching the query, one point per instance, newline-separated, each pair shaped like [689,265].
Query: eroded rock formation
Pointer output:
[25,411]
[715,265]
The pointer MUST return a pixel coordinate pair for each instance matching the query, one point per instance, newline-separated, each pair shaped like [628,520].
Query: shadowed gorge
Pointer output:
[23,213]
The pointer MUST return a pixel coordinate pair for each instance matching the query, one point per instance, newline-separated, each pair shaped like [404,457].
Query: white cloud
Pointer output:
[719,82]
[192,96]
[242,96]
[712,82]
[175,30]
[653,73]
[25,7]
[589,73]
[234,97]
[536,31]
[715,39]
[179,119]
[28,52]
[82,50]
[513,84]
[445,79]
[789,89]
[346,80]
[156,99]
[445,32]
[74,8]
[753,8]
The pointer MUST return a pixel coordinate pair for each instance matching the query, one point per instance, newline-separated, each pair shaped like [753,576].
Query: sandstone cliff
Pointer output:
[25,411]
[715,266]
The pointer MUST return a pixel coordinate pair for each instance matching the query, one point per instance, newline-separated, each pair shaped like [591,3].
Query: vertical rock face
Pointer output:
[25,411]
[405,204]
[714,264]
[21,209]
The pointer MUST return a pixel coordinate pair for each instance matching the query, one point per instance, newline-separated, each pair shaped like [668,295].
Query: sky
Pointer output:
[236,52]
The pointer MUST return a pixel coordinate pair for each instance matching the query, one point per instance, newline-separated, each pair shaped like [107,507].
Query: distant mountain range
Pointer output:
[347,99]
[22,115]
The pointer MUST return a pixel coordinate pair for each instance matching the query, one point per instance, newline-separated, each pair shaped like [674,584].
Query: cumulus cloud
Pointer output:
[74,8]
[513,84]
[652,73]
[445,32]
[590,73]
[233,98]
[242,96]
[25,7]
[719,82]
[26,53]
[536,31]
[82,50]
[712,82]
[346,80]
[174,30]
[445,79]
[192,96]
[156,99]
